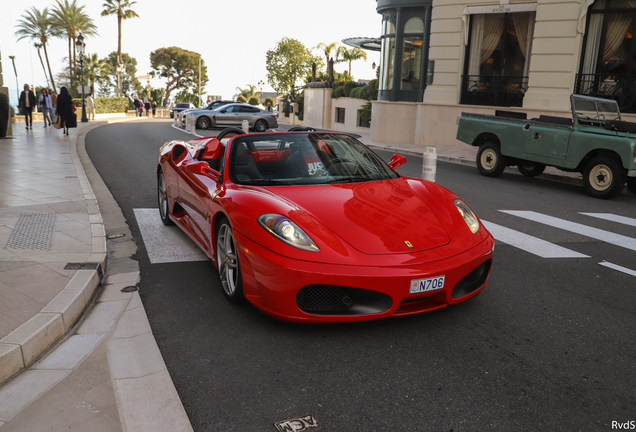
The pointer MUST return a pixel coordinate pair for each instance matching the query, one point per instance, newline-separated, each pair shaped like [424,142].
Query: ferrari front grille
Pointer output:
[341,300]
[472,280]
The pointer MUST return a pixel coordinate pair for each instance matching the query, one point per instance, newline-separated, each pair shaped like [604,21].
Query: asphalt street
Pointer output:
[547,346]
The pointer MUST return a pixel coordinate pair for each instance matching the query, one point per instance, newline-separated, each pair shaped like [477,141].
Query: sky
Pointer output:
[232,36]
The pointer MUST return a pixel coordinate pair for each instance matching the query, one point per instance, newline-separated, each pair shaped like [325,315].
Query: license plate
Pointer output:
[428,284]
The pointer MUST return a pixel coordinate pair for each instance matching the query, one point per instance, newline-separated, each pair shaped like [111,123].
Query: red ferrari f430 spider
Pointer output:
[312,226]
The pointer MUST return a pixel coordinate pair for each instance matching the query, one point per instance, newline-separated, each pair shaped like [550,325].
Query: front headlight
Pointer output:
[287,231]
[468,215]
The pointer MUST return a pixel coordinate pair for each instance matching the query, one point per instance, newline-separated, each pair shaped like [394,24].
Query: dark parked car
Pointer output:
[180,107]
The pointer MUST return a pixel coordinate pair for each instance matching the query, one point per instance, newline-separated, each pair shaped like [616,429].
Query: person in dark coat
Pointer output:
[137,103]
[27,103]
[64,108]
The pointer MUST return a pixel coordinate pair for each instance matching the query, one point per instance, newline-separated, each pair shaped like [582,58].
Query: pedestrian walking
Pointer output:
[46,106]
[65,109]
[54,103]
[154,108]
[26,103]
[147,106]
[90,106]
[137,104]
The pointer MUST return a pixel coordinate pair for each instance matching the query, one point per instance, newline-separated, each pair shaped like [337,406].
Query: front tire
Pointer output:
[530,169]
[490,161]
[603,177]
[162,195]
[203,123]
[228,263]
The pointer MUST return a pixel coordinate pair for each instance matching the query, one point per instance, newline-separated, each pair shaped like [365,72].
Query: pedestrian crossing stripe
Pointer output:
[618,268]
[529,243]
[165,244]
[577,228]
[613,218]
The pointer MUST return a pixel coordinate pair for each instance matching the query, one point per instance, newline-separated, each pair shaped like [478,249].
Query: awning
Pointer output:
[371,44]
[503,7]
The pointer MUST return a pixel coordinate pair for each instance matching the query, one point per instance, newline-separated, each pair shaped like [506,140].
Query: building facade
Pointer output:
[485,55]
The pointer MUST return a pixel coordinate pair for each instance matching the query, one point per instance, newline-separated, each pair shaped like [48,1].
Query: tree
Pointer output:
[95,69]
[38,25]
[350,55]
[288,64]
[69,20]
[248,92]
[130,75]
[121,8]
[254,100]
[180,67]
[328,49]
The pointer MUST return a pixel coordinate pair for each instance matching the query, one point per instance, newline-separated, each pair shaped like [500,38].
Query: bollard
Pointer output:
[245,126]
[176,118]
[429,164]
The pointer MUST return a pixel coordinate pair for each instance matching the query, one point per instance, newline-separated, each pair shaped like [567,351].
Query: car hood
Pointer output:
[378,217]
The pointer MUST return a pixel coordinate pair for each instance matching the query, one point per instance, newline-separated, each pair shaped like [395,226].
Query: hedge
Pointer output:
[106,105]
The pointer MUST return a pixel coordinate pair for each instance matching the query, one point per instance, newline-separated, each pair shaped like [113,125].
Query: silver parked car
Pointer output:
[208,106]
[233,115]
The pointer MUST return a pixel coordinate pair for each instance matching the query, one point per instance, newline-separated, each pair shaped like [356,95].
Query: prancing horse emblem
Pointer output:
[408,243]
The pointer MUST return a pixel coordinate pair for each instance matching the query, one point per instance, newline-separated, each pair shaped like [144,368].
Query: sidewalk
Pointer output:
[67,281]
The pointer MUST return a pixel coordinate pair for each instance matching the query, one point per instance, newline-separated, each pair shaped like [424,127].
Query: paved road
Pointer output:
[547,346]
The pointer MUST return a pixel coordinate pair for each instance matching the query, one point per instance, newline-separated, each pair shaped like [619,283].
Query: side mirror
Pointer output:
[223,111]
[397,160]
[203,168]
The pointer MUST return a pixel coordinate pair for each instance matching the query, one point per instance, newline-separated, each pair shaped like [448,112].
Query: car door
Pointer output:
[547,143]
[248,113]
[227,116]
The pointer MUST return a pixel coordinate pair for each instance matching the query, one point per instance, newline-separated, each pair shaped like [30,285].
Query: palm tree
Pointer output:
[70,20]
[39,46]
[327,49]
[38,25]
[95,69]
[350,55]
[248,92]
[121,8]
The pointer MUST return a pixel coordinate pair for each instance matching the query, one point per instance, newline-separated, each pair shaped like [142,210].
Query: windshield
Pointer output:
[304,158]
[594,108]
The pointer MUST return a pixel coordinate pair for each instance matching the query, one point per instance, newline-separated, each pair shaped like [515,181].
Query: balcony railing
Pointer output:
[621,88]
[502,91]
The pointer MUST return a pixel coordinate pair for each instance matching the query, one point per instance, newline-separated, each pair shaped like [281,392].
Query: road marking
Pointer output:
[619,268]
[613,218]
[529,243]
[165,244]
[595,233]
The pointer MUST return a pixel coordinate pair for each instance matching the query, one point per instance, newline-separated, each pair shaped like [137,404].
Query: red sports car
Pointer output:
[312,226]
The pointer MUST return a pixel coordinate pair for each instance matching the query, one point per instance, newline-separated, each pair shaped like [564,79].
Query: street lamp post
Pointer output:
[81,47]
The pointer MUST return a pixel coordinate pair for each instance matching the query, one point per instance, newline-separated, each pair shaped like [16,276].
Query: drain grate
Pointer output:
[33,231]
[81,266]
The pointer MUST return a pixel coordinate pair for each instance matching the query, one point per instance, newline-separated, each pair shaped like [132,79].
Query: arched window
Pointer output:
[412,48]
[388,52]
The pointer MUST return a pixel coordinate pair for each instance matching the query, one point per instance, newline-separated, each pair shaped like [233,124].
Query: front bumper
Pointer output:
[272,283]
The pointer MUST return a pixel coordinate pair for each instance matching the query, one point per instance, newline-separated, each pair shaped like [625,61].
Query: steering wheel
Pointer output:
[235,131]
[339,160]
